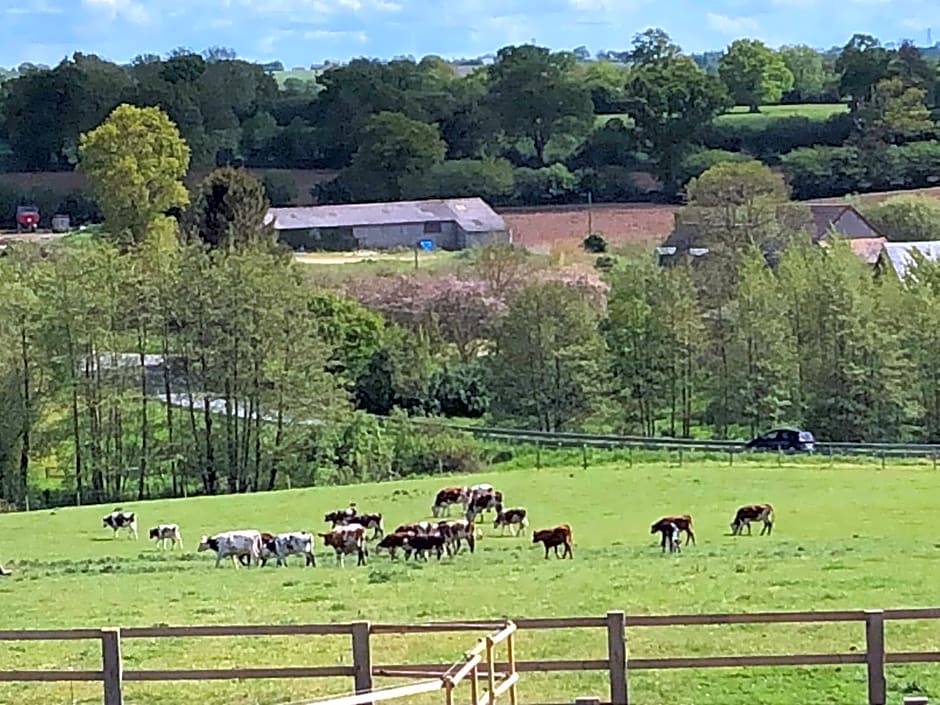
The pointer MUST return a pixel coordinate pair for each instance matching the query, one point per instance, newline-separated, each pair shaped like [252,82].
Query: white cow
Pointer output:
[233,544]
[167,536]
[293,543]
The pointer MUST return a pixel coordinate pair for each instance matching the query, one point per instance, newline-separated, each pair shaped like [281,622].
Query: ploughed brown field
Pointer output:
[620,224]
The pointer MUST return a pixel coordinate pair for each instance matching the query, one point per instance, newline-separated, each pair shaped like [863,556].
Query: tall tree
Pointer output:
[671,100]
[808,69]
[135,161]
[393,150]
[548,366]
[754,73]
[862,63]
[535,95]
[229,210]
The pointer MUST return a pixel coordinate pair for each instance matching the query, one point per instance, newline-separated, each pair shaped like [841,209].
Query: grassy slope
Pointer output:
[740,114]
[846,538]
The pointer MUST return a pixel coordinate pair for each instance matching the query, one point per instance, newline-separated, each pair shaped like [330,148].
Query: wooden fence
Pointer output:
[874,658]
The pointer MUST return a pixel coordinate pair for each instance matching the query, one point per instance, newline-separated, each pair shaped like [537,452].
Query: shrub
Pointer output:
[550,184]
[816,172]
[769,140]
[906,218]
[595,244]
[459,391]
[426,448]
[697,163]
[609,184]
[490,179]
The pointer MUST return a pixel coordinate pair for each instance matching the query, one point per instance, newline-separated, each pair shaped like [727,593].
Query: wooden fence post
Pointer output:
[584,457]
[617,657]
[111,667]
[538,455]
[362,657]
[875,656]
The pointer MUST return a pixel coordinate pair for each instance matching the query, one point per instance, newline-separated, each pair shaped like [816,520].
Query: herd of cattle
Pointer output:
[351,531]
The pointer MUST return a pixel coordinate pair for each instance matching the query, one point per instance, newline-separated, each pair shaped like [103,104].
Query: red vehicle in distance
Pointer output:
[27,219]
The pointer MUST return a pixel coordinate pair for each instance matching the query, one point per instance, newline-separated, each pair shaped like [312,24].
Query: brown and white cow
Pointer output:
[553,538]
[420,527]
[447,497]
[456,531]
[346,540]
[118,520]
[482,501]
[349,516]
[514,518]
[763,513]
[683,522]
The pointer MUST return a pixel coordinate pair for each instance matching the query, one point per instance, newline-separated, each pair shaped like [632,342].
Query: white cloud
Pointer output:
[731,26]
[337,35]
[133,12]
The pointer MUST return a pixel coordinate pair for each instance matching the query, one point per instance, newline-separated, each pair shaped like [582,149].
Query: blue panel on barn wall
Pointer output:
[426,245]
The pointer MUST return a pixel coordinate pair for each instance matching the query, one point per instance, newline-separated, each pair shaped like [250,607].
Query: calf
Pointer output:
[753,512]
[346,540]
[484,501]
[234,545]
[118,520]
[422,545]
[682,521]
[514,517]
[167,534]
[340,517]
[447,497]
[457,531]
[670,536]
[553,538]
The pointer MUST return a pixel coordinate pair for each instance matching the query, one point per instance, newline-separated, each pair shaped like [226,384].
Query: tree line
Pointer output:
[521,130]
[183,350]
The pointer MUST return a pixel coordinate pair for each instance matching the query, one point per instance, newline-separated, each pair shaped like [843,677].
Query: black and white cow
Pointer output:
[118,520]
[234,545]
[167,535]
[293,543]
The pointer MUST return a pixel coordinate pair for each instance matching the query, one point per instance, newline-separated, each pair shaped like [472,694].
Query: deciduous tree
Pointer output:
[135,161]
[754,73]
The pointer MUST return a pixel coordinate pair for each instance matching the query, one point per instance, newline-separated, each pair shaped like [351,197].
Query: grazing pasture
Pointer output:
[844,537]
[813,111]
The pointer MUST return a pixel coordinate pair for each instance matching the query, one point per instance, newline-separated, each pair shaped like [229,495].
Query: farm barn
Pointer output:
[825,220]
[449,224]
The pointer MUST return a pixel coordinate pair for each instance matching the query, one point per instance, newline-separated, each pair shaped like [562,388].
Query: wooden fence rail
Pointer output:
[500,676]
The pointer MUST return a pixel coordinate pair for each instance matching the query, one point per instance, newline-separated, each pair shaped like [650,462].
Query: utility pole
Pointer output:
[590,213]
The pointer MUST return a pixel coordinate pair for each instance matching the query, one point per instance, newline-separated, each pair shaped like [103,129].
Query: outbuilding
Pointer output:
[448,224]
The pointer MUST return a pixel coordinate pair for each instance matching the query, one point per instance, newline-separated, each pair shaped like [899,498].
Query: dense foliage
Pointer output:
[520,130]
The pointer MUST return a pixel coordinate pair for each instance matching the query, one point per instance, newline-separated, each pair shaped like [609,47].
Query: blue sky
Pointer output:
[301,32]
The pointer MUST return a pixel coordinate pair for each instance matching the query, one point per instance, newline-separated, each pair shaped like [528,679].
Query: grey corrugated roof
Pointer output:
[899,254]
[473,215]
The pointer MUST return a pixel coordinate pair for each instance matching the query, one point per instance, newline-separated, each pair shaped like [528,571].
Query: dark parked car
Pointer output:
[788,439]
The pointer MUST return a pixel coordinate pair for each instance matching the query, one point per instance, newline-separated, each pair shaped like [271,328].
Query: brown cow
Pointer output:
[553,538]
[392,542]
[683,522]
[753,512]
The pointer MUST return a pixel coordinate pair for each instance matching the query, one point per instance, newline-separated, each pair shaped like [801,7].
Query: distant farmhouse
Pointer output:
[899,257]
[449,224]
[826,220]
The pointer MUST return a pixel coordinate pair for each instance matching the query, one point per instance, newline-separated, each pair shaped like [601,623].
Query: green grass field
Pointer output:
[740,114]
[305,75]
[813,111]
[846,537]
